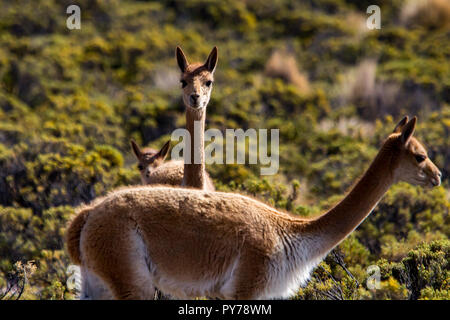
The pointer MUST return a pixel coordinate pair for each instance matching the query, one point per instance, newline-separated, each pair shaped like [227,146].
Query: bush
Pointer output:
[70,101]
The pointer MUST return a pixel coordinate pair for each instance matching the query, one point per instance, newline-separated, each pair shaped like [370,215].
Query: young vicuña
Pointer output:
[153,168]
[191,242]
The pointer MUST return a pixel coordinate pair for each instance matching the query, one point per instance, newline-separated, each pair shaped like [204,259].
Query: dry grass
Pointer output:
[372,98]
[284,65]
[357,22]
[166,78]
[375,98]
[353,127]
[431,14]
[362,86]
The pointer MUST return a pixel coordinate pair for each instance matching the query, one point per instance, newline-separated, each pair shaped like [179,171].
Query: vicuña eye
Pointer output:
[183,83]
[420,158]
[140,167]
[208,83]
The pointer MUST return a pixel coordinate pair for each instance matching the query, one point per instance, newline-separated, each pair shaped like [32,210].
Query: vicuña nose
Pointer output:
[437,181]
[194,98]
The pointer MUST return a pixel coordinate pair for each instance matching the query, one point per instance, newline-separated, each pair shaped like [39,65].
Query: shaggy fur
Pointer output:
[191,242]
[73,235]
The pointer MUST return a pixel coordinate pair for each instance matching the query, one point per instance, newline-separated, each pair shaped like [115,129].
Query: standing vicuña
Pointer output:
[190,242]
[197,82]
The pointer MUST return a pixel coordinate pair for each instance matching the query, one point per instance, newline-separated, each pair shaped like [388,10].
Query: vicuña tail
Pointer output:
[73,235]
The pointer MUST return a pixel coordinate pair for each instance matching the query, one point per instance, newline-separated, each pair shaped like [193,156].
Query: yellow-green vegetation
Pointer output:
[70,100]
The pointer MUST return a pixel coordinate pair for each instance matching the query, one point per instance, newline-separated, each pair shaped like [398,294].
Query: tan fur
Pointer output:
[190,242]
[73,235]
[154,170]
[195,78]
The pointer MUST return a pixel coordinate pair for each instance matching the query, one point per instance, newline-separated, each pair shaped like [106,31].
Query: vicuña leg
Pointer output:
[126,270]
[249,283]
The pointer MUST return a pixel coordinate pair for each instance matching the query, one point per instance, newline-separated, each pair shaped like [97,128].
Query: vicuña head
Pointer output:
[191,242]
[149,159]
[196,79]
[413,164]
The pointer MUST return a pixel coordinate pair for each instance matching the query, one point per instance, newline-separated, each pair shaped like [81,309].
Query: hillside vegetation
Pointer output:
[70,101]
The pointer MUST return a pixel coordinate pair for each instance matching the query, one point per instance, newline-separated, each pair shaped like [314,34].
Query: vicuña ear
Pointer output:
[136,149]
[164,150]
[408,130]
[399,126]
[181,59]
[211,62]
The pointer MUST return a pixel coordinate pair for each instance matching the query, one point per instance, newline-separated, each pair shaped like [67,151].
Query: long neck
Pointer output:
[329,229]
[194,172]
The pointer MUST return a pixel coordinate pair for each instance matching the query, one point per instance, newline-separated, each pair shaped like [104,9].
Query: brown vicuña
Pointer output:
[190,242]
[153,168]
[196,79]
[197,82]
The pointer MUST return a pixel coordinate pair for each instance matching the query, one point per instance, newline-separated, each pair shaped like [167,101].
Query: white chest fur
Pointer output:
[292,267]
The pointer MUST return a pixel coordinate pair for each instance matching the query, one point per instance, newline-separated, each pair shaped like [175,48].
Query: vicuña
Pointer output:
[197,82]
[154,170]
[191,242]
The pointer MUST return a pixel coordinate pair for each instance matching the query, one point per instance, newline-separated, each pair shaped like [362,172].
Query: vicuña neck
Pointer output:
[329,229]
[194,172]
